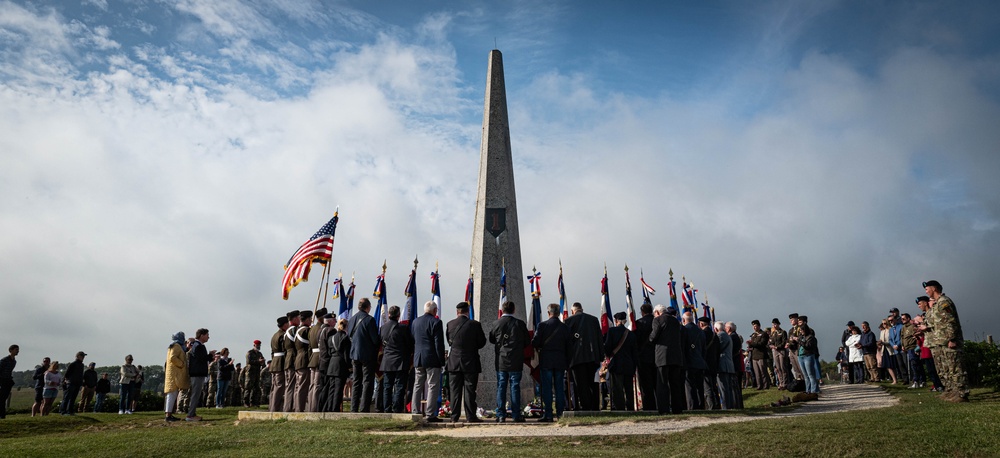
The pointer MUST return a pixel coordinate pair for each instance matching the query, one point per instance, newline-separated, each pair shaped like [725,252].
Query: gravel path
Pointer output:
[835,398]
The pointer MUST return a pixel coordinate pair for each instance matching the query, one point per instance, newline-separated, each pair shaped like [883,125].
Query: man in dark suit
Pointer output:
[738,365]
[466,337]
[668,340]
[622,352]
[710,385]
[509,336]
[694,362]
[397,357]
[646,366]
[554,345]
[428,358]
[363,333]
[586,358]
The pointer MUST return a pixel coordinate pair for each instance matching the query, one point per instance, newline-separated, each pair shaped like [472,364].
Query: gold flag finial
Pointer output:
[671,273]
[626,267]
[383,267]
[415,262]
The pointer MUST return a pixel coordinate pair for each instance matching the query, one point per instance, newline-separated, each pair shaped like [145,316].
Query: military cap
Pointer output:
[894,310]
[775,321]
[705,319]
[793,315]
[306,314]
[671,311]
[621,316]
[757,322]
[328,316]
[321,312]
[932,283]
[804,318]
[256,342]
[923,299]
[292,314]
[849,323]
[282,320]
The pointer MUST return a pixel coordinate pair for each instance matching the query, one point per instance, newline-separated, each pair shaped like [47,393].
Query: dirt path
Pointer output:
[836,398]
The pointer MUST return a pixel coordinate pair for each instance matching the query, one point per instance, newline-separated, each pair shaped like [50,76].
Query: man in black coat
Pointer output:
[509,336]
[428,359]
[73,378]
[363,334]
[466,337]
[89,384]
[397,357]
[711,386]
[554,345]
[738,364]
[646,366]
[668,341]
[586,358]
[694,362]
[622,352]
[198,371]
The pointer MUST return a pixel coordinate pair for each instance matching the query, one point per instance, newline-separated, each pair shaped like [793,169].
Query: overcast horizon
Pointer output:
[162,160]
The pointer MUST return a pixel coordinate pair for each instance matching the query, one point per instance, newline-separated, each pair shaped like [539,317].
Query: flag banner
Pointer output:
[713,314]
[629,307]
[381,310]
[436,291]
[690,306]
[503,290]
[350,299]
[606,314]
[469,290]
[563,313]
[673,293]
[705,311]
[536,312]
[535,280]
[410,310]
[337,287]
[647,291]
[319,248]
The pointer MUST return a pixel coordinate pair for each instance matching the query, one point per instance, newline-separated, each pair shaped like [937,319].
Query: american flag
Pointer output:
[319,248]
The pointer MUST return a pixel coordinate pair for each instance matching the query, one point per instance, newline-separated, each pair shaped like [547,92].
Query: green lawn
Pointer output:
[920,425]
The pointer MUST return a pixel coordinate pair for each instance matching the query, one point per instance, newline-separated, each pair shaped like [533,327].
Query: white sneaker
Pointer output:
[120,412]
[128,412]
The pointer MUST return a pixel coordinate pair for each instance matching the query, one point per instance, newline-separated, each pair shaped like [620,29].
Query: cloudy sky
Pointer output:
[162,160]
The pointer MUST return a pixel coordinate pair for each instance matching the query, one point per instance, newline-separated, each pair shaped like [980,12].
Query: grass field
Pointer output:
[920,425]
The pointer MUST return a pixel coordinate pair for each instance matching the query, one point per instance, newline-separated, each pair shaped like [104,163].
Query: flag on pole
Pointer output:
[469,289]
[410,310]
[647,290]
[503,290]
[688,297]
[350,298]
[606,314]
[319,248]
[536,293]
[563,313]
[629,308]
[436,290]
[673,291]
[344,312]
[381,309]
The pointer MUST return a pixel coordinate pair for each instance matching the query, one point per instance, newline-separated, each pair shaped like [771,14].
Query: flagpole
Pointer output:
[319,292]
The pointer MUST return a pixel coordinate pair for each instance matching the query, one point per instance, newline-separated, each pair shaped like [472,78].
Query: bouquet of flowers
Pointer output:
[533,409]
[445,409]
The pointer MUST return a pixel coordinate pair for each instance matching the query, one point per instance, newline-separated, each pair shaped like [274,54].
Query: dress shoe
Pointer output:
[545,420]
[434,420]
[474,420]
[519,420]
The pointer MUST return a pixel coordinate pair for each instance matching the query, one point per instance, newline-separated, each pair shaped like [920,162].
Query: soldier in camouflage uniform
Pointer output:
[255,361]
[779,352]
[943,335]
[265,384]
[793,346]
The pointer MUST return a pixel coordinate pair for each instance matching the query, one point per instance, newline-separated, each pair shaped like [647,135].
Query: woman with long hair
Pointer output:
[887,354]
[809,355]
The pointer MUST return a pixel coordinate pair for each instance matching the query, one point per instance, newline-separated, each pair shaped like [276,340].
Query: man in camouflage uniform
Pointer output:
[778,342]
[255,360]
[793,346]
[943,335]
[265,383]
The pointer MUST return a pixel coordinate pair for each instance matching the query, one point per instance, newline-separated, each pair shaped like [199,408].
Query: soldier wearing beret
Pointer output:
[276,398]
[255,360]
[758,349]
[288,404]
[943,335]
[778,342]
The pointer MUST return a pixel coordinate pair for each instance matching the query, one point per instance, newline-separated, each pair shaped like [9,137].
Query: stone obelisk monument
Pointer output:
[495,240]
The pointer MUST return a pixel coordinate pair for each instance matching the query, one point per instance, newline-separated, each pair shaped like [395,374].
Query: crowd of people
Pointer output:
[920,350]
[666,361]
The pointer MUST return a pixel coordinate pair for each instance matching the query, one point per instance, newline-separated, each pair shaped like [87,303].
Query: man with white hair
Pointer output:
[727,371]
[428,359]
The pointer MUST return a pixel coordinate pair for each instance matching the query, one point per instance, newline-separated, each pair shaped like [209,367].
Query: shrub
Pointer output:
[982,362]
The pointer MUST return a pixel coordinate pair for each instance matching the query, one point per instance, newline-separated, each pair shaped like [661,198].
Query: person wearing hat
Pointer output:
[327,327]
[712,356]
[302,355]
[255,361]
[89,384]
[466,337]
[793,347]
[668,341]
[316,377]
[943,335]
[288,403]
[758,343]
[778,341]
[74,380]
[622,351]
[276,398]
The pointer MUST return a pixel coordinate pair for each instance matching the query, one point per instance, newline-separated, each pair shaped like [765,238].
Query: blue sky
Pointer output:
[161,160]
